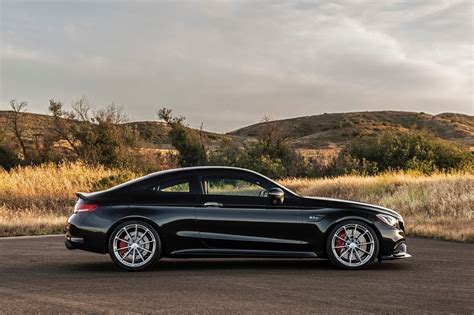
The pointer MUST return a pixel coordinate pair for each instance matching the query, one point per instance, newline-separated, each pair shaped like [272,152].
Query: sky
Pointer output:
[228,64]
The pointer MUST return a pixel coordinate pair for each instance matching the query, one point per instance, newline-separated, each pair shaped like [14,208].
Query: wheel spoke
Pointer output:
[133,256]
[361,235]
[148,242]
[143,248]
[363,250]
[343,239]
[366,243]
[345,231]
[129,237]
[350,257]
[136,231]
[345,252]
[358,256]
[126,254]
[140,254]
[120,239]
[119,249]
[144,233]
[343,246]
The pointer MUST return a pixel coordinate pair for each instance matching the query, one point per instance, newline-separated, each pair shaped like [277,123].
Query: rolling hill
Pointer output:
[326,132]
[153,134]
[331,131]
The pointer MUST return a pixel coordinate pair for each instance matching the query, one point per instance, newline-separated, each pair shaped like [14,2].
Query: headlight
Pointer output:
[388,219]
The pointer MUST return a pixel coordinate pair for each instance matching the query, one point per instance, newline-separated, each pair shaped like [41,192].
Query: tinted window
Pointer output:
[233,187]
[180,186]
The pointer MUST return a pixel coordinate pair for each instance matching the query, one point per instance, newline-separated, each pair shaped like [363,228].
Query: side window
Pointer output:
[180,186]
[233,187]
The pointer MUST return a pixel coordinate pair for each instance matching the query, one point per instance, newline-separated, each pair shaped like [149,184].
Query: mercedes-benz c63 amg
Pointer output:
[228,212]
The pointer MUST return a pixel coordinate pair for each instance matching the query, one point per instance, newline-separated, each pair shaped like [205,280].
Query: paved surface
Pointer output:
[40,275]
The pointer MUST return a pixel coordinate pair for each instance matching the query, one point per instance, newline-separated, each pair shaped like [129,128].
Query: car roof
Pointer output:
[197,169]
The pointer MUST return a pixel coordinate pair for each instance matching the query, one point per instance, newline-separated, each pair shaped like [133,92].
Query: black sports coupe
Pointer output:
[228,212]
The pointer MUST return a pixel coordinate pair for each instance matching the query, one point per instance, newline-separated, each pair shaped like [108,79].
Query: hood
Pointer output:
[347,204]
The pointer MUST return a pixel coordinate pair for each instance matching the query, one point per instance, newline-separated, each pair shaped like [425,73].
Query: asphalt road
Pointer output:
[40,275]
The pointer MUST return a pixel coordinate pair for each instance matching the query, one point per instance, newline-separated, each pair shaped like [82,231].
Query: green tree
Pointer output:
[191,151]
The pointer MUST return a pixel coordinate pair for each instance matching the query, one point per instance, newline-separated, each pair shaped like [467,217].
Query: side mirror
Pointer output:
[276,195]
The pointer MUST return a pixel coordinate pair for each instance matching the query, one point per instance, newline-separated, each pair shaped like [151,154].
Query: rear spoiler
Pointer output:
[90,196]
[82,195]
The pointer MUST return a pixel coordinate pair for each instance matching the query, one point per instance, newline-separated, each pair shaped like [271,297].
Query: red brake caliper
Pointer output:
[340,242]
[123,245]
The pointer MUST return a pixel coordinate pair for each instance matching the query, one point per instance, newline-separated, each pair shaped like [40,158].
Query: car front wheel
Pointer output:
[352,245]
[134,245]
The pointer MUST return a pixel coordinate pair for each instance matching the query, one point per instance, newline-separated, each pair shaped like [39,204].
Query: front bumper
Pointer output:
[393,257]
[399,252]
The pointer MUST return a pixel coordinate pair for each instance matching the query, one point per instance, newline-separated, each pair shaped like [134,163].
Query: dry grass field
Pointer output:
[437,206]
[38,200]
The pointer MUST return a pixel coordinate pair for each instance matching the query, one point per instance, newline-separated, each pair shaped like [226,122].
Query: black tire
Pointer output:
[363,259]
[143,261]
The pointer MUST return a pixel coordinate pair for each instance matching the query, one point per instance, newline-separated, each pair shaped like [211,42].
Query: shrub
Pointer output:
[275,160]
[96,137]
[412,150]
[8,159]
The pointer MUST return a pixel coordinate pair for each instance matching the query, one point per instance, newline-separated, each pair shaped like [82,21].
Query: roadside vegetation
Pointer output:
[39,199]
[436,206]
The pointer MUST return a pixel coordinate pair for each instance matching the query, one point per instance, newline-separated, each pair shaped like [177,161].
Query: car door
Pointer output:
[234,212]
[170,203]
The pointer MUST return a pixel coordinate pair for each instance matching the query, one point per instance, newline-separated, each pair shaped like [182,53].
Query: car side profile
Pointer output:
[228,212]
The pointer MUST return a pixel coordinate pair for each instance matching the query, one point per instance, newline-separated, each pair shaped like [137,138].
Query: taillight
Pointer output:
[84,207]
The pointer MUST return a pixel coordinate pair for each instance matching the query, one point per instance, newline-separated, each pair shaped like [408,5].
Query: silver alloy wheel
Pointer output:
[353,245]
[134,245]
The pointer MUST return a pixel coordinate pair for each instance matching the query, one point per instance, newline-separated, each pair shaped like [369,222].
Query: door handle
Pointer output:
[213,205]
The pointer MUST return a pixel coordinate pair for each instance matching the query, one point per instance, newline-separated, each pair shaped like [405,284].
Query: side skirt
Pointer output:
[211,252]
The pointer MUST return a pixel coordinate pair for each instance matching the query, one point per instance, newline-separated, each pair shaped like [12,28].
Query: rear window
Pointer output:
[176,186]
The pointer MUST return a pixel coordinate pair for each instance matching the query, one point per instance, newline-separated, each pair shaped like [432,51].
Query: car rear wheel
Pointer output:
[352,245]
[134,245]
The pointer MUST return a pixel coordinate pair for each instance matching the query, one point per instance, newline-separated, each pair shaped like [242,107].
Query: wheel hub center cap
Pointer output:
[352,246]
[134,246]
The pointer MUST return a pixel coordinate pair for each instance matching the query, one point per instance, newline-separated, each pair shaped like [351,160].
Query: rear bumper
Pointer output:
[86,231]
[74,243]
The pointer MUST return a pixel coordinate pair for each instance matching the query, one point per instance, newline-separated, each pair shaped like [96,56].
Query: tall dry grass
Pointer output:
[38,200]
[440,205]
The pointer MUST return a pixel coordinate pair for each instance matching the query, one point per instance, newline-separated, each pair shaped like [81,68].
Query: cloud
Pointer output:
[10,52]
[230,63]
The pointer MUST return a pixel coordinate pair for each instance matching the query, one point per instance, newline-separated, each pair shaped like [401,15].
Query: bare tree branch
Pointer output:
[18,108]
